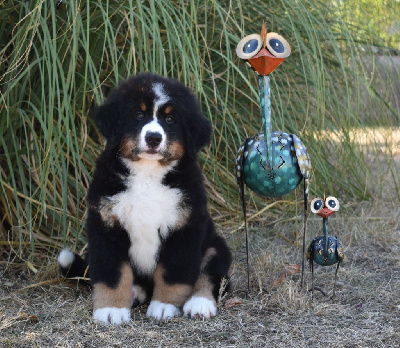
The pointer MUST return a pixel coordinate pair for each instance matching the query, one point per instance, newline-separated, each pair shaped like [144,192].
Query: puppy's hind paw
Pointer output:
[112,315]
[200,307]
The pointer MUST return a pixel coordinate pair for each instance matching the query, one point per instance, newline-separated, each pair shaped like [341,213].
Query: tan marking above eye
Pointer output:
[143,107]
[169,109]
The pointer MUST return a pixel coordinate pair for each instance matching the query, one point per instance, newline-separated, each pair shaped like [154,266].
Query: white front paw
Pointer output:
[112,315]
[200,307]
[159,310]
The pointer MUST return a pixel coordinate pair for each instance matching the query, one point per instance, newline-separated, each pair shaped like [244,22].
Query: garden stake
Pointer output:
[271,163]
[325,250]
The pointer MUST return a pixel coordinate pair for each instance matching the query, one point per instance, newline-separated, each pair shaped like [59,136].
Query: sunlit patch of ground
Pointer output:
[387,138]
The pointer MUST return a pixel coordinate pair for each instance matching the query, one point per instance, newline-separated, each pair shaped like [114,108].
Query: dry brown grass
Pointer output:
[365,313]
[38,310]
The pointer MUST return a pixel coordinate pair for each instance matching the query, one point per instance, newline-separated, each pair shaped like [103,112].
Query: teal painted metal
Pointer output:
[325,250]
[272,164]
[278,177]
[265,103]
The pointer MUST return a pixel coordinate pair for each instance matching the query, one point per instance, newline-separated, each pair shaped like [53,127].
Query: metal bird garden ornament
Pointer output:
[270,163]
[325,250]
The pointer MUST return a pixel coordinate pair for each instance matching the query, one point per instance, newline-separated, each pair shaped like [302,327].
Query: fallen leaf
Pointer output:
[25,316]
[31,267]
[233,302]
[279,280]
[293,269]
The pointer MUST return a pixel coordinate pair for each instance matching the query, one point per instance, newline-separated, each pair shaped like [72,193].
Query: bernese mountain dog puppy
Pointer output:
[150,235]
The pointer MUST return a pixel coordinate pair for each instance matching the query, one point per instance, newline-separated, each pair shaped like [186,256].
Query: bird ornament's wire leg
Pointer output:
[312,279]
[243,202]
[247,236]
[334,284]
[306,184]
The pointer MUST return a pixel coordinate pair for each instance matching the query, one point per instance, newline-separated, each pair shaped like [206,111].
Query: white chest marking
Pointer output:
[148,210]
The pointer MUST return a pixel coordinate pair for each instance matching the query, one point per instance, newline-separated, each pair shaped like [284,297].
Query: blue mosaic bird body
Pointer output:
[325,257]
[284,174]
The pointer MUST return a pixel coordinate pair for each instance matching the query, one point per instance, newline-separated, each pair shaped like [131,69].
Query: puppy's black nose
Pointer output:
[153,139]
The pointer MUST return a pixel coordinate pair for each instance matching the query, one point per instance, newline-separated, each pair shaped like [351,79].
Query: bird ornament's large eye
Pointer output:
[277,45]
[249,46]
[332,203]
[317,204]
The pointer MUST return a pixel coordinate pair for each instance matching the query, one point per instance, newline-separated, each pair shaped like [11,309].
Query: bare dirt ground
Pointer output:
[365,312]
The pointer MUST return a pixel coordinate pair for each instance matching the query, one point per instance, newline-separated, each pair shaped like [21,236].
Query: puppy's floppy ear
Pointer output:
[106,116]
[197,131]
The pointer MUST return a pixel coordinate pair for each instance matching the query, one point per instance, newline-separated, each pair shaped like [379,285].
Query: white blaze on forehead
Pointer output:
[161,97]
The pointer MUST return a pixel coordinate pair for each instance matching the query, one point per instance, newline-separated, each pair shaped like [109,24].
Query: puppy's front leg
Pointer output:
[112,304]
[167,298]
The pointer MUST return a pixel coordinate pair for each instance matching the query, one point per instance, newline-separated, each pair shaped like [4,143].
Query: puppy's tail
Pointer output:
[72,265]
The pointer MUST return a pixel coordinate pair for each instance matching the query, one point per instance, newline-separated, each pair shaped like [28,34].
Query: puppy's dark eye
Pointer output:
[170,119]
[140,116]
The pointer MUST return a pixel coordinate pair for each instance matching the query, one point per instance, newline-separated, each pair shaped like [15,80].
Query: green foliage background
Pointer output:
[59,58]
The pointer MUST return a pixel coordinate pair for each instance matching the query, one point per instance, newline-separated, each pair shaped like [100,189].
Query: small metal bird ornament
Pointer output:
[325,250]
[271,163]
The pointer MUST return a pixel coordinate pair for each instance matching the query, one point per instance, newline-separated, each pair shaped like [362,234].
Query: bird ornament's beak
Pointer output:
[325,212]
[264,62]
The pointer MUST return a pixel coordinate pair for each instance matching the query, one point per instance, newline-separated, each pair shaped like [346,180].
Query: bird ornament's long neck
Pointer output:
[325,230]
[265,104]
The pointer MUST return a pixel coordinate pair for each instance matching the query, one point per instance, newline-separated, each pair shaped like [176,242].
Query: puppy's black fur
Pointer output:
[188,253]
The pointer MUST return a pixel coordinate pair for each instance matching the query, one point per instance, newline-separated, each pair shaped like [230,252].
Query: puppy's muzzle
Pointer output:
[153,140]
